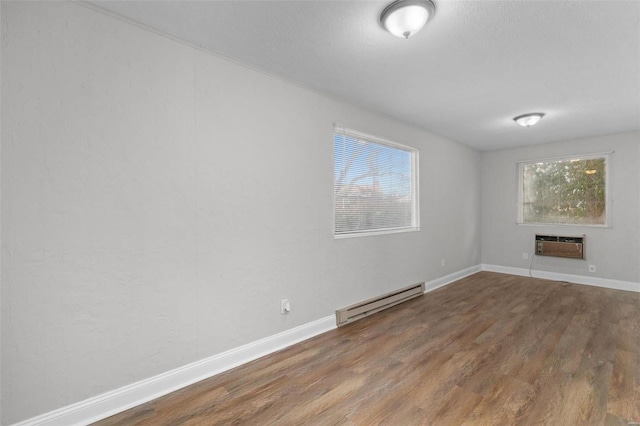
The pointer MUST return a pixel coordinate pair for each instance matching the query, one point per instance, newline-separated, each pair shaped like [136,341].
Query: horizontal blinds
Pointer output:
[374,184]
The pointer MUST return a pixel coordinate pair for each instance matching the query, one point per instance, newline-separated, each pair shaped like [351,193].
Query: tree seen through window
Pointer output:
[568,191]
[373,186]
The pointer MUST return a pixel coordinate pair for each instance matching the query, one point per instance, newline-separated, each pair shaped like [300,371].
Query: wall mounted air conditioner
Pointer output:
[560,246]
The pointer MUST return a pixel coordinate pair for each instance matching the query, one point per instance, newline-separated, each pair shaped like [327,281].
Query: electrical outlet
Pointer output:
[525,256]
[442,262]
[592,268]
[285,306]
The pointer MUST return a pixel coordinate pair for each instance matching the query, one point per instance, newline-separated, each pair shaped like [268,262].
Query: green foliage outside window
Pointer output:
[570,191]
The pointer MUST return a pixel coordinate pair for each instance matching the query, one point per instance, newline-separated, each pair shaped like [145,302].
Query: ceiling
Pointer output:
[475,65]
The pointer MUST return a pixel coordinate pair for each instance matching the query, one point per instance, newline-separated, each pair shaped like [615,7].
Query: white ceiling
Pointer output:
[475,66]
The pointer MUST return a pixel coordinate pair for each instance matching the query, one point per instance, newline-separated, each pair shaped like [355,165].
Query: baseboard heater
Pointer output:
[363,309]
[560,246]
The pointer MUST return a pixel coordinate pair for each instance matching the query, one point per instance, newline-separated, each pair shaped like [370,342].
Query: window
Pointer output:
[375,185]
[564,191]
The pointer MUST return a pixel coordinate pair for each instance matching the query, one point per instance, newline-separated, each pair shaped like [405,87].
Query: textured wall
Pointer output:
[614,250]
[158,202]
[2,137]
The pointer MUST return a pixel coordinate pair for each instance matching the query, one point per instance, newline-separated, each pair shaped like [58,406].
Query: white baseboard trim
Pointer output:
[118,400]
[448,279]
[113,402]
[555,276]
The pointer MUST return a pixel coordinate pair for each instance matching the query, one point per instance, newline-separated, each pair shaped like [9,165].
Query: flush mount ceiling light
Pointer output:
[404,18]
[528,120]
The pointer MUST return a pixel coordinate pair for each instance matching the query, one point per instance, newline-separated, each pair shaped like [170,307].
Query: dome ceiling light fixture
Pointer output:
[404,18]
[528,120]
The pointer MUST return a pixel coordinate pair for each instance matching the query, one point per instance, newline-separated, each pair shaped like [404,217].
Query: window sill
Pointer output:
[371,233]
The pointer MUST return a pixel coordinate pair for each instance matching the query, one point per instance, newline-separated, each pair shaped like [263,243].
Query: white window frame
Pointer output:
[608,211]
[415,225]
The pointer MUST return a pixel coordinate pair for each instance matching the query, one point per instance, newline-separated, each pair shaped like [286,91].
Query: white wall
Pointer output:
[2,120]
[614,250]
[158,202]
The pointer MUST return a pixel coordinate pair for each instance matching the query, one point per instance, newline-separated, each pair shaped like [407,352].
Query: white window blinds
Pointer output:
[375,185]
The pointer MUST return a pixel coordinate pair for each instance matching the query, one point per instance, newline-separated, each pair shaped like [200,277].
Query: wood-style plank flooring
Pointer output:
[490,349]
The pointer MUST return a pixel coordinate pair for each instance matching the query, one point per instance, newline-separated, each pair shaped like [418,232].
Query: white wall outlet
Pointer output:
[592,268]
[525,256]
[285,306]
[442,262]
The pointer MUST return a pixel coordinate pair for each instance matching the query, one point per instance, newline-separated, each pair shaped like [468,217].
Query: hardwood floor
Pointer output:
[491,349]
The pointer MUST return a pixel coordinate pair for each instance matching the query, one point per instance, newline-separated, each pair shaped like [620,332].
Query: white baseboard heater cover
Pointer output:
[377,304]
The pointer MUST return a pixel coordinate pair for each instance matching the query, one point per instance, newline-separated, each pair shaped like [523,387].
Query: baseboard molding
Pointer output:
[118,400]
[448,279]
[555,276]
[113,402]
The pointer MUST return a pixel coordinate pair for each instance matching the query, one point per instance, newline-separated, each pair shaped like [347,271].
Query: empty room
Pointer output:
[412,212]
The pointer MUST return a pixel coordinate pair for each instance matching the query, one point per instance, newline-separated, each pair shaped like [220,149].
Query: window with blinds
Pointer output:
[375,185]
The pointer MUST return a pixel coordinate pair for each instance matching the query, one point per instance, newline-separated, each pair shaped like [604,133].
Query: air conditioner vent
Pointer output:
[561,246]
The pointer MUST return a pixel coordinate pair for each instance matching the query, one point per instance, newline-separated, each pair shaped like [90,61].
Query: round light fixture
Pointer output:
[404,18]
[528,120]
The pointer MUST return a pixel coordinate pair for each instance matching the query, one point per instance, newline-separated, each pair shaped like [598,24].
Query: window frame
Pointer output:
[591,156]
[415,162]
